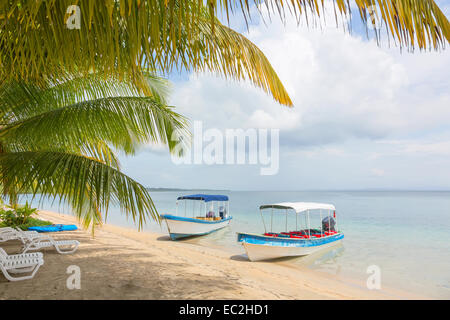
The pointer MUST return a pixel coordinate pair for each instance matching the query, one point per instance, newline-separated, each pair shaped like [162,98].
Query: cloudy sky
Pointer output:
[364,116]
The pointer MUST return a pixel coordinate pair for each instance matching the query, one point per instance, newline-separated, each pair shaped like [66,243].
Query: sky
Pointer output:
[364,116]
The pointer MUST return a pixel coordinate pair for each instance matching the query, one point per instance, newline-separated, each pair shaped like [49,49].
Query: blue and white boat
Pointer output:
[302,241]
[202,214]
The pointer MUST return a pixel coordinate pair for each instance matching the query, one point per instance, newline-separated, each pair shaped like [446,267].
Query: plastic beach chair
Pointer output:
[20,264]
[9,234]
[44,241]
[33,241]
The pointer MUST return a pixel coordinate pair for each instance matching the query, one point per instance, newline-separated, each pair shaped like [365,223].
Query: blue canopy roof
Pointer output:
[205,197]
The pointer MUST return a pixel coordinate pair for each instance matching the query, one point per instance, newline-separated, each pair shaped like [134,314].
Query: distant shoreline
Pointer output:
[312,190]
[181,189]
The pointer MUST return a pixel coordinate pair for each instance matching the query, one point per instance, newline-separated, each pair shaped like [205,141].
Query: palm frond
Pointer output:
[122,122]
[98,150]
[96,85]
[124,37]
[19,100]
[120,38]
[224,43]
[412,23]
[88,186]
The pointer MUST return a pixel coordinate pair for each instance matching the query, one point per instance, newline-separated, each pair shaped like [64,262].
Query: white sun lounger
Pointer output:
[33,241]
[19,264]
[6,229]
[44,241]
[9,234]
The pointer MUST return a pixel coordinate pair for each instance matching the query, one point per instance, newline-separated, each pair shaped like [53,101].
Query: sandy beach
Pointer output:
[120,263]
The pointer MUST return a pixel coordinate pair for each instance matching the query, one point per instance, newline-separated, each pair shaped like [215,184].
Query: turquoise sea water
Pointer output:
[406,234]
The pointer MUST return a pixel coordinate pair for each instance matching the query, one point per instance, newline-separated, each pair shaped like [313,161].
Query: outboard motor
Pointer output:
[328,224]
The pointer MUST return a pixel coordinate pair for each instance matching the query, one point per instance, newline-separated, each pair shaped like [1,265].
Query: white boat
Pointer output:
[302,241]
[202,218]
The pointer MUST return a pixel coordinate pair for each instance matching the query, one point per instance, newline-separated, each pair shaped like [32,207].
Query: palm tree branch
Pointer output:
[120,121]
[87,185]
[20,100]
[98,150]
[412,23]
[145,37]
[224,44]
[125,37]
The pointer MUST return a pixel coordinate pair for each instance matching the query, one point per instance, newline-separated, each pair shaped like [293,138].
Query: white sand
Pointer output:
[121,263]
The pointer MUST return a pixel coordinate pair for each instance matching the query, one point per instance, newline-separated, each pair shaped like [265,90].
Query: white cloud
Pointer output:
[364,116]
[343,87]
[420,147]
[285,119]
[377,172]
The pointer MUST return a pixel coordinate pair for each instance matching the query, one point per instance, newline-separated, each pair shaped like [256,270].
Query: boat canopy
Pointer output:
[204,197]
[299,206]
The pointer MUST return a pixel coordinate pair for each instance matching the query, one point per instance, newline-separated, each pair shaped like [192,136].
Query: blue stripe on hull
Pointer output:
[287,242]
[176,236]
[171,217]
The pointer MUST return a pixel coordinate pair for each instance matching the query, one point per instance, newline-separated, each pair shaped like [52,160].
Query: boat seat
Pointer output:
[283,235]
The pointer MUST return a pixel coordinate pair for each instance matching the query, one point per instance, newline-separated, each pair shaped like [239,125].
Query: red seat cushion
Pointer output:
[271,234]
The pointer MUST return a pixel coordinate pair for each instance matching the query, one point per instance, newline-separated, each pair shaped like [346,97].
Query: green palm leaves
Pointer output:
[86,184]
[60,141]
[412,23]
[121,38]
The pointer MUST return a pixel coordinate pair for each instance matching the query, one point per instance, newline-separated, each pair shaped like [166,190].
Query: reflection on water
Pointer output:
[327,256]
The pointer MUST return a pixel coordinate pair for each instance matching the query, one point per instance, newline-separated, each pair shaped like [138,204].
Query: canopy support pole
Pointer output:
[271,221]
[286,219]
[306,222]
[262,218]
[309,224]
[329,220]
[335,218]
[321,224]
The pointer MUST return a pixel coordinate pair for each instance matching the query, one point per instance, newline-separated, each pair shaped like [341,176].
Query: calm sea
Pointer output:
[405,234]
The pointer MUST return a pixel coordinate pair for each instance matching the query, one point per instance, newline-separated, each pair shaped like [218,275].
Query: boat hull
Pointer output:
[265,248]
[181,227]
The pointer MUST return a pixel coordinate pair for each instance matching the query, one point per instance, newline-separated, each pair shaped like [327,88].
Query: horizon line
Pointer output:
[301,190]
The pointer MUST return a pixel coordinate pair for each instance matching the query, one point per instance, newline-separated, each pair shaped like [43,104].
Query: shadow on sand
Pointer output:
[115,271]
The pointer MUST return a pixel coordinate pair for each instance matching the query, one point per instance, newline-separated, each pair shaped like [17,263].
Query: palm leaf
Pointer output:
[88,186]
[124,37]
[19,100]
[120,38]
[120,121]
[413,23]
[36,119]
[222,44]
[55,142]
[98,150]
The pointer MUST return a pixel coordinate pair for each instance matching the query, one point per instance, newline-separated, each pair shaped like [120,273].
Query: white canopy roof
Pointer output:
[299,206]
